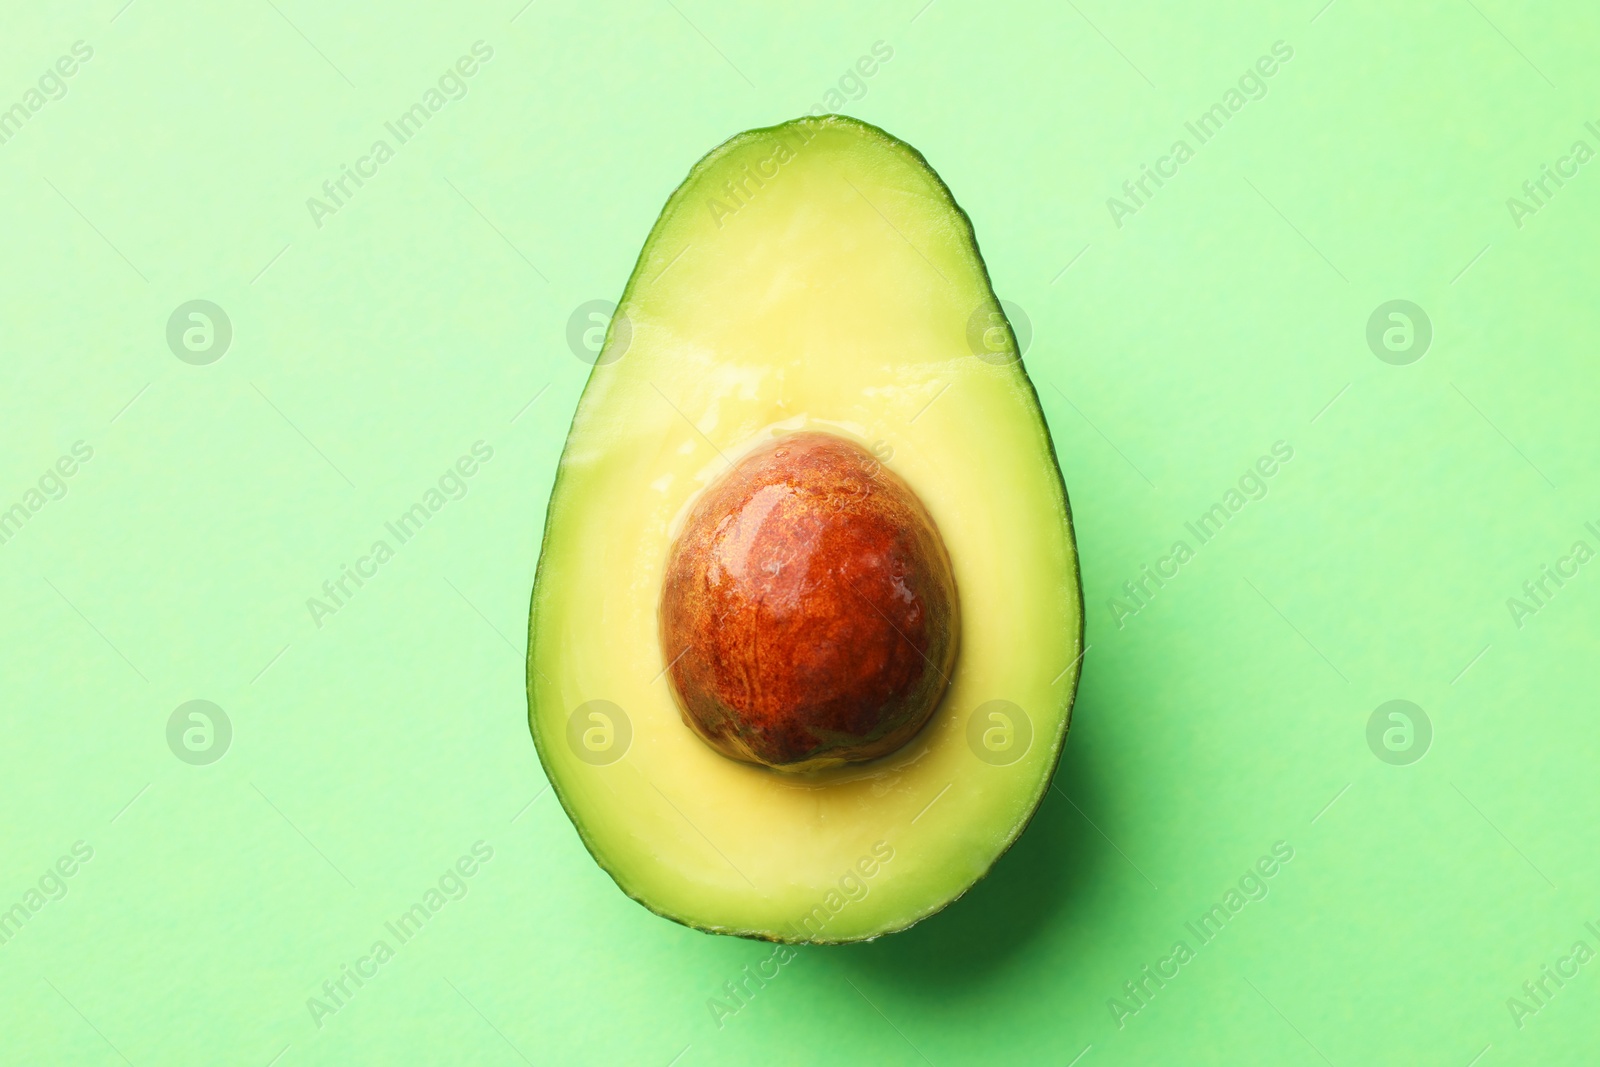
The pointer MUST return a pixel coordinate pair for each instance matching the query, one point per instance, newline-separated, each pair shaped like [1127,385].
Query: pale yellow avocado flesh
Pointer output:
[831,288]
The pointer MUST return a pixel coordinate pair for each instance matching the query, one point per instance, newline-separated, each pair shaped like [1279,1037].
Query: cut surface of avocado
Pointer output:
[812,276]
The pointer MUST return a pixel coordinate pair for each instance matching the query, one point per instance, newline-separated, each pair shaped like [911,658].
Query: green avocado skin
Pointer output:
[676,201]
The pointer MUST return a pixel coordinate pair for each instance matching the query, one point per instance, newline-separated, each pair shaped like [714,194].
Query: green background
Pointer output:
[430,312]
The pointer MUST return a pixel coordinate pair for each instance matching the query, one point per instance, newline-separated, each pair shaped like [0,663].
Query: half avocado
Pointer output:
[812,277]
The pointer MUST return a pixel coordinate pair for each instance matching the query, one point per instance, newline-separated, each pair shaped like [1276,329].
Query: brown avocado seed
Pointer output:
[808,611]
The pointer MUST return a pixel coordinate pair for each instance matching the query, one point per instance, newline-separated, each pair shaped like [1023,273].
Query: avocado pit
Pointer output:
[808,612]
